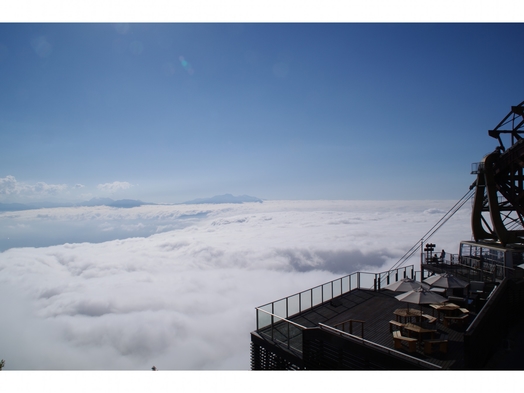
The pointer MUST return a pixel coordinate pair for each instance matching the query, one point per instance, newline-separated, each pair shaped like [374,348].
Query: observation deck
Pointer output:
[345,324]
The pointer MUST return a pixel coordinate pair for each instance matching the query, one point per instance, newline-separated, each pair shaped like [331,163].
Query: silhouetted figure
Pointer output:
[153,368]
[442,255]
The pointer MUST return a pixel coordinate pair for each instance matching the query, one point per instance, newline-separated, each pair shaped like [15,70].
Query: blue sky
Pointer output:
[172,112]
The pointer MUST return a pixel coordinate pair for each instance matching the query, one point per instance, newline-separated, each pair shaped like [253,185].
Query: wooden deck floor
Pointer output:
[376,310]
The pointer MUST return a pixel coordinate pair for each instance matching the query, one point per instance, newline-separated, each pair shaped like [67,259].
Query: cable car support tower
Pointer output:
[498,207]
[497,217]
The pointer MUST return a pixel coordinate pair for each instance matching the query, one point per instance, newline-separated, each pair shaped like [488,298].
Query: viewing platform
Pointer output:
[349,323]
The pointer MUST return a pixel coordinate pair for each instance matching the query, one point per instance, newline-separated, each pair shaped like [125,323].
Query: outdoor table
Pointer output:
[446,308]
[404,315]
[412,328]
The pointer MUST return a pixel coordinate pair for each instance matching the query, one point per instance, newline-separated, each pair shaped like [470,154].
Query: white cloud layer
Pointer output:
[185,298]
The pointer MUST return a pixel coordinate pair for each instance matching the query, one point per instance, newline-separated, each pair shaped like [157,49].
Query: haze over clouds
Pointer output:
[185,298]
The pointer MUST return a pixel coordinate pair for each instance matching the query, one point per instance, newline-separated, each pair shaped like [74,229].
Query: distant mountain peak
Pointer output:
[226,198]
[97,202]
[112,203]
[127,203]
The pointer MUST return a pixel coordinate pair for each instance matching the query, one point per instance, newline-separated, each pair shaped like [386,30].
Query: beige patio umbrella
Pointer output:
[405,285]
[421,296]
[446,280]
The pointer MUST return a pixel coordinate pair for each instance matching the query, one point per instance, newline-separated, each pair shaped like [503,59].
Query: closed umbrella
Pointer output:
[446,280]
[405,285]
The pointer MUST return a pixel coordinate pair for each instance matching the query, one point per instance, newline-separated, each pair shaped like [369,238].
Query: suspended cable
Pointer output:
[434,228]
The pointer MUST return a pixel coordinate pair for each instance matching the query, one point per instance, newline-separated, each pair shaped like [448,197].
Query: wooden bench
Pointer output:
[442,346]
[459,320]
[398,338]
[393,324]
[430,318]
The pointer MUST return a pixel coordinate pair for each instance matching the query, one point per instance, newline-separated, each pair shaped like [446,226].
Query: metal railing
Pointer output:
[449,259]
[283,331]
[380,348]
[272,319]
[487,268]
[295,304]
[347,326]
[394,275]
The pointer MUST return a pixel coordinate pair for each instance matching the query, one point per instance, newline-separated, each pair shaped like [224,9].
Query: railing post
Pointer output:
[288,336]
[272,320]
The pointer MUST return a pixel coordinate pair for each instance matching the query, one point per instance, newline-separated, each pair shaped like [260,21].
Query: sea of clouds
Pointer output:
[176,286]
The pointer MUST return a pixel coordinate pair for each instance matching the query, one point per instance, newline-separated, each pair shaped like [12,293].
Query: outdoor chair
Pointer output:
[430,319]
[398,338]
[441,344]
[395,324]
